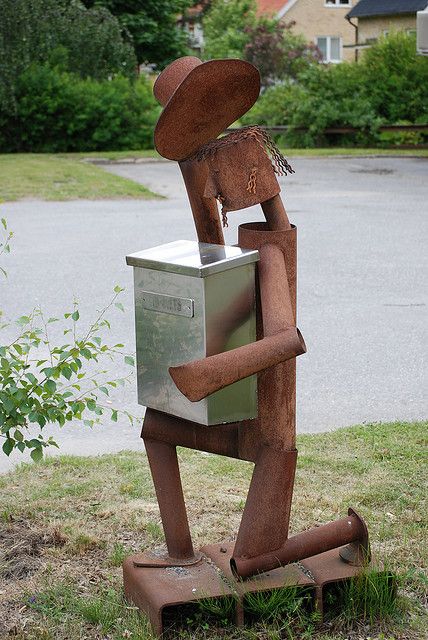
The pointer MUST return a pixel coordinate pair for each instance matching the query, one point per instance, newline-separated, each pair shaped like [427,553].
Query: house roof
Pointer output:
[270,6]
[369,8]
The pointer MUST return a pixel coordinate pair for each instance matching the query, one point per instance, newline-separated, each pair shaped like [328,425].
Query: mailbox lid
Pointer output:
[197,259]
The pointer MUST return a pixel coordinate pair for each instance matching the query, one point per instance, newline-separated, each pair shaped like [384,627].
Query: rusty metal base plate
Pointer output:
[154,589]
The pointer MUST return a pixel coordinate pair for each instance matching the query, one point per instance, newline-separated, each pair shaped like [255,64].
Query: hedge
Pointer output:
[388,86]
[59,111]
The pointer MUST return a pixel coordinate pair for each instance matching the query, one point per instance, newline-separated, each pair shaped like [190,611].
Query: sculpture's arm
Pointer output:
[282,340]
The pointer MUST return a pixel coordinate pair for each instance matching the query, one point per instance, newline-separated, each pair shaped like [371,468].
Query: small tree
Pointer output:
[232,29]
[277,52]
[153,25]
[225,28]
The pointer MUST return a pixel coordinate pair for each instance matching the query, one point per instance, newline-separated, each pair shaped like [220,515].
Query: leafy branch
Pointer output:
[5,242]
[42,382]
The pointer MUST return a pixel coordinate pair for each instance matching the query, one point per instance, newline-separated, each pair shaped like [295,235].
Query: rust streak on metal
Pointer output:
[221,439]
[277,310]
[277,385]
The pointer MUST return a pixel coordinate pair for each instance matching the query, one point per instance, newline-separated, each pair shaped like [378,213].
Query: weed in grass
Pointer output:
[83,542]
[100,611]
[289,604]
[107,611]
[155,531]
[6,515]
[135,489]
[369,598]
[54,603]
[221,608]
[129,489]
[110,612]
[118,554]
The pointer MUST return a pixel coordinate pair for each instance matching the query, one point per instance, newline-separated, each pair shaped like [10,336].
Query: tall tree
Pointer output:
[60,32]
[225,28]
[232,29]
[153,26]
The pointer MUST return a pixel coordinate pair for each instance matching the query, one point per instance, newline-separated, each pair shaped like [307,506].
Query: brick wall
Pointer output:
[374,27]
[314,18]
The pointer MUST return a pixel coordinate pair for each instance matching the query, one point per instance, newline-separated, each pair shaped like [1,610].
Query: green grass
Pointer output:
[54,177]
[354,151]
[112,155]
[372,596]
[66,176]
[322,152]
[289,604]
[106,612]
[64,582]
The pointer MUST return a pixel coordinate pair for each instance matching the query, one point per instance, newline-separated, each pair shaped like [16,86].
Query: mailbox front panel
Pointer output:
[180,318]
[168,334]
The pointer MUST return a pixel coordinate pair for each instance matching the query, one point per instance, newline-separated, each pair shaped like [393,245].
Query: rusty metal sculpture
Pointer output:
[239,170]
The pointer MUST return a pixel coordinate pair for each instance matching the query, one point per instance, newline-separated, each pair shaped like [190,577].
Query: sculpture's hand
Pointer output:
[282,340]
[200,378]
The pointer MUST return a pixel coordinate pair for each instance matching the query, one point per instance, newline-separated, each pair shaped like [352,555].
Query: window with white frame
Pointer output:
[338,3]
[330,47]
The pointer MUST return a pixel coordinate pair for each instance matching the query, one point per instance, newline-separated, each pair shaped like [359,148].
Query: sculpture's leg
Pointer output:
[276,385]
[166,477]
[264,524]
[267,511]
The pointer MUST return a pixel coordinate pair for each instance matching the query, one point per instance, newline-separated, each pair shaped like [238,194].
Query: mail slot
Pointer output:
[193,300]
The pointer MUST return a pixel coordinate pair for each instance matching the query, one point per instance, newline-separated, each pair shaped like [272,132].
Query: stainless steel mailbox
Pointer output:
[193,300]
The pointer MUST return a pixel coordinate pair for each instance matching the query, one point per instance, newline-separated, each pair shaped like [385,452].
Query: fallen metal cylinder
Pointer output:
[304,545]
[200,378]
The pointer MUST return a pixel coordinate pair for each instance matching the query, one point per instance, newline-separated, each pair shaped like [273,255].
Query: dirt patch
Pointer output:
[21,547]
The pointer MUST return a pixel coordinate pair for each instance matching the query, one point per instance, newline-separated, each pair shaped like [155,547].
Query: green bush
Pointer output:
[59,111]
[396,79]
[389,85]
[225,25]
[42,382]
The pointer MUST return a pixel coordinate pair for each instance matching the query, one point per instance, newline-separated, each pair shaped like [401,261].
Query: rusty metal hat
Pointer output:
[200,100]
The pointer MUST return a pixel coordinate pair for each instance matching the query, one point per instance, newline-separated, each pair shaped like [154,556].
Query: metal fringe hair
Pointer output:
[279,163]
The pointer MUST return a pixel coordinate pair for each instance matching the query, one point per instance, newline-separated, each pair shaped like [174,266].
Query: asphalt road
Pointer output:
[362,298]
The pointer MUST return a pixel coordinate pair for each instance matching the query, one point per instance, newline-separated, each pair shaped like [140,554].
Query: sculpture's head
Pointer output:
[202,99]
